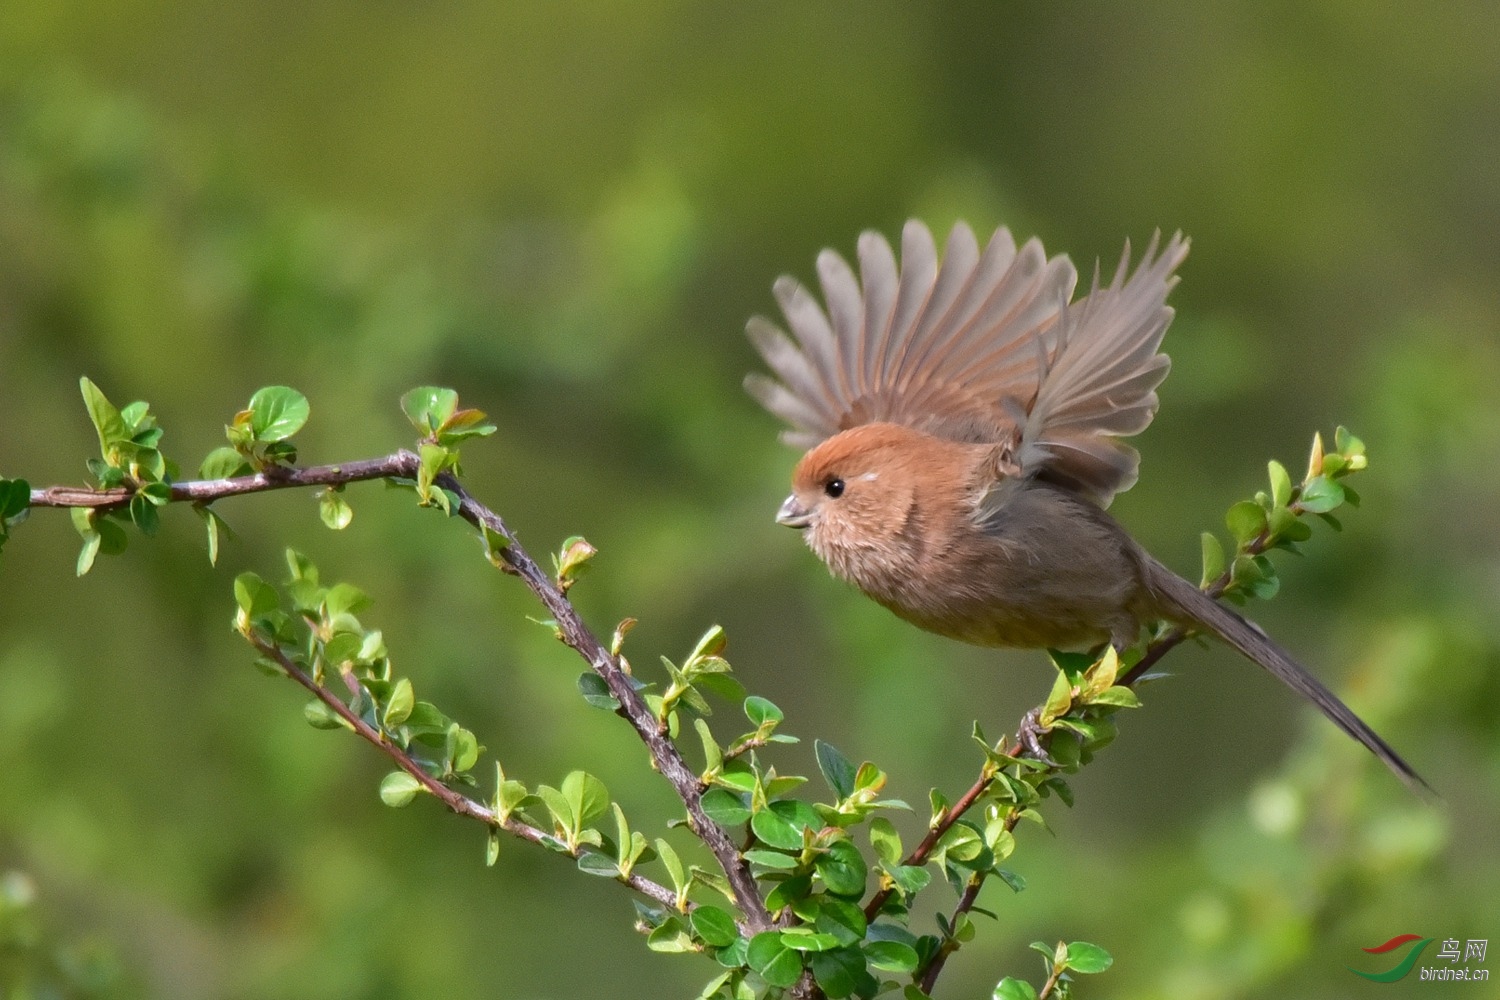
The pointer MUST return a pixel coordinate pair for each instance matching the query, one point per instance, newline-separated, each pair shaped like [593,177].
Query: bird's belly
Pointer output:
[994,625]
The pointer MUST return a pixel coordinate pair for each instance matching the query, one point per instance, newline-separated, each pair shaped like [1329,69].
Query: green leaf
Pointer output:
[399,705]
[1213,558]
[491,848]
[713,754]
[317,714]
[910,879]
[398,789]
[1246,520]
[596,691]
[775,831]
[223,463]
[789,893]
[429,408]
[842,869]
[1121,696]
[841,973]
[891,956]
[254,596]
[841,918]
[15,497]
[108,423]
[1321,495]
[727,808]
[1088,958]
[777,964]
[1347,443]
[714,925]
[671,937]
[760,711]
[586,795]
[837,770]
[1281,483]
[277,412]
[774,860]
[83,521]
[807,939]
[1059,700]
[143,513]
[1014,989]
[594,863]
[214,524]
[673,865]
[334,509]
[885,840]
[462,748]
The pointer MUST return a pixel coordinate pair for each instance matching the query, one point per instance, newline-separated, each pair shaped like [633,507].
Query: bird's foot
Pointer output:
[1030,734]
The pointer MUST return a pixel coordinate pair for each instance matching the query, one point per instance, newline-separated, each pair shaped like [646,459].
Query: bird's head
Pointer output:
[859,491]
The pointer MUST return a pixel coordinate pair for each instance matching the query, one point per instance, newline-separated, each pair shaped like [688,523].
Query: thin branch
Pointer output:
[403,464]
[454,800]
[664,753]
[665,756]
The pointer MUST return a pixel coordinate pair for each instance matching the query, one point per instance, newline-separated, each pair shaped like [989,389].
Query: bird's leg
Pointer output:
[1029,735]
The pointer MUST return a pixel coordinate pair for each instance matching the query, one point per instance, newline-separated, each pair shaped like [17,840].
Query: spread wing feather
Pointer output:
[982,349]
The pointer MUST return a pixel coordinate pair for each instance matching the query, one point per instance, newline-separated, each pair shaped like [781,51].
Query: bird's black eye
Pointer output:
[834,488]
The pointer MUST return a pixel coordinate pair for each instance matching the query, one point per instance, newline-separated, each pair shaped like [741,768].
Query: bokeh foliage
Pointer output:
[568,213]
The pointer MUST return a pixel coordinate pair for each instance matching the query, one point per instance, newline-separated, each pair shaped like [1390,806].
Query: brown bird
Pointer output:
[963,422]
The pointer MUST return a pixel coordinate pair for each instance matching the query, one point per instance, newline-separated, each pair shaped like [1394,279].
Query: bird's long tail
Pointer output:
[1189,606]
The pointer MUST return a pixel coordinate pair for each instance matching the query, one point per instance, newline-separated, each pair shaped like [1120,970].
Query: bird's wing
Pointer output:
[984,349]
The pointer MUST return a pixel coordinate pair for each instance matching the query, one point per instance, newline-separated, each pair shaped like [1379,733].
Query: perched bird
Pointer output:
[963,424]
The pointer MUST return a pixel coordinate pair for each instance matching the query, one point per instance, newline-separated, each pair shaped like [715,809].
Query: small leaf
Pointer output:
[1246,520]
[1124,697]
[106,419]
[596,691]
[1321,495]
[714,925]
[837,770]
[1088,958]
[277,412]
[1213,558]
[429,408]
[398,789]
[760,711]
[317,714]
[885,840]
[594,863]
[254,596]
[843,869]
[223,463]
[334,509]
[1281,483]
[586,794]
[774,831]
[1014,989]
[400,703]
[891,956]
[727,808]
[776,963]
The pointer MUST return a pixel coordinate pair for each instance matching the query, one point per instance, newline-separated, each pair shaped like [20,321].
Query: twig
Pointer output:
[664,753]
[665,757]
[455,801]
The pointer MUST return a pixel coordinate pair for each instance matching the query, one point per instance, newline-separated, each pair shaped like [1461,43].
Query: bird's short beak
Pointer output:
[793,514]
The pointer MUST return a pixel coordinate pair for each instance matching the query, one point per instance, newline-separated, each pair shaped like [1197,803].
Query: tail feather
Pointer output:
[1191,607]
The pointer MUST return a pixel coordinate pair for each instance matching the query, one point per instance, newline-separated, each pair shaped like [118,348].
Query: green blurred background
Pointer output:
[567,212]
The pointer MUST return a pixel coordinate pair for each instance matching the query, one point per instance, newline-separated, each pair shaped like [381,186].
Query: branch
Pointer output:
[664,754]
[403,464]
[456,801]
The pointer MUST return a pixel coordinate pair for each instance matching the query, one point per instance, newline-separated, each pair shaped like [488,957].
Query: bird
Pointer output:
[962,426]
